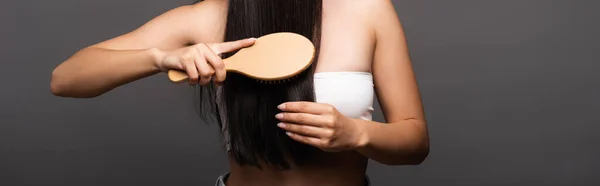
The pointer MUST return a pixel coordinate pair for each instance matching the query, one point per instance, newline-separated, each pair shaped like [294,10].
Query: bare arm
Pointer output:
[404,138]
[102,67]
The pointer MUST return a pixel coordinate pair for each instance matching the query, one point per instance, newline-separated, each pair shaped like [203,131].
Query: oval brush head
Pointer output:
[272,58]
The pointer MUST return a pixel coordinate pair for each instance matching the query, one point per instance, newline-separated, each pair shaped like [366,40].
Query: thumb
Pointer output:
[231,46]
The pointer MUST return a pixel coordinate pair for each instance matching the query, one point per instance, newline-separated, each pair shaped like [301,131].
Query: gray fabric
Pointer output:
[221,180]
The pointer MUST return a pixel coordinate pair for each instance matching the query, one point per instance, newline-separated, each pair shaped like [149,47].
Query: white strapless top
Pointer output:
[351,93]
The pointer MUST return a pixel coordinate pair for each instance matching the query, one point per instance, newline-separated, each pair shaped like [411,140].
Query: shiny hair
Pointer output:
[245,107]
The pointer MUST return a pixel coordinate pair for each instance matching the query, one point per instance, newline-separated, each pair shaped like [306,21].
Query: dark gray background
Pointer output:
[510,90]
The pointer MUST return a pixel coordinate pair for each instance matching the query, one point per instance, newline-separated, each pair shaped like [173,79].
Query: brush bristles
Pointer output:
[270,82]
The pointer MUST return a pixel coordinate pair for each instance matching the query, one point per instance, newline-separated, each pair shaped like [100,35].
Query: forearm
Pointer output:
[94,71]
[401,143]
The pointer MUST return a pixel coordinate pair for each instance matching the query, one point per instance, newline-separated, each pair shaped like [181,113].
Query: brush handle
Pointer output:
[179,76]
[274,56]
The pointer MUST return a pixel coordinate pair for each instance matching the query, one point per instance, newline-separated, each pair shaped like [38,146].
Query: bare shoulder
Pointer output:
[378,16]
[379,13]
[382,17]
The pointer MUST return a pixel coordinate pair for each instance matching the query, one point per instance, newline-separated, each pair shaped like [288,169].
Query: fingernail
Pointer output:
[289,133]
[281,107]
[281,125]
[279,116]
[252,39]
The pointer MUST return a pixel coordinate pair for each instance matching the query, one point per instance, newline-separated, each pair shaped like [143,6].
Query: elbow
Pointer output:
[415,154]
[59,89]
[419,156]
[420,153]
[65,81]
[56,90]
[414,157]
[58,86]
[421,148]
[412,149]
[62,86]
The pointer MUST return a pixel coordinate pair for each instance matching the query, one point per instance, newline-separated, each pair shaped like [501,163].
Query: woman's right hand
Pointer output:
[200,61]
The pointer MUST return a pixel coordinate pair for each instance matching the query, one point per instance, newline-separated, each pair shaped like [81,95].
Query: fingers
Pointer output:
[189,66]
[306,107]
[231,46]
[306,119]
[305,130]
[216,64]
[202,61]
[205,71]
[195,65]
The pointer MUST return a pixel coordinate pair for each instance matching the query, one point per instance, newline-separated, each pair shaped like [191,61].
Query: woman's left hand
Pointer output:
[320,125]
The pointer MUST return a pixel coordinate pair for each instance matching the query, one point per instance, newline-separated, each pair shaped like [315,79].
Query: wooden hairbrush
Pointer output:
[272,58]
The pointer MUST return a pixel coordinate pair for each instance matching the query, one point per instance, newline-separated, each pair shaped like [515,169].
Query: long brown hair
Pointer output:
[248,107]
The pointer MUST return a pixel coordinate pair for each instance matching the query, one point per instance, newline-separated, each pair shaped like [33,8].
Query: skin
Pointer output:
[361,35]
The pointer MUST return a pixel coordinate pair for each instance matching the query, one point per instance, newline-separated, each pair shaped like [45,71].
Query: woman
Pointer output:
[315,129]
